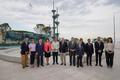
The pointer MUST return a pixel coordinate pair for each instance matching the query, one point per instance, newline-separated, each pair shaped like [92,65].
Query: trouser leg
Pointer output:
[23,60]
[81,64]
[74,59]
[96,55]
[91,59]
[70,57]
[100,58]
[64,57]
[111,59]
[57,57]
[38,60]
[32,58]
[107,58]
[26,59]
[53,57]
[78,61]
[61,57]
[41,60]
[87,59]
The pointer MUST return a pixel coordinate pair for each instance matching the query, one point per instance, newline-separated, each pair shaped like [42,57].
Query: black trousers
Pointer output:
[109,59]
[89,59]
[32,58]
[79,60]
[39,60]
[72,58]
[98,58]
[55,57]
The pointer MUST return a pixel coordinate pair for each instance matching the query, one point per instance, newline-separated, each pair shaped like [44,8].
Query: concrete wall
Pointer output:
[10,42]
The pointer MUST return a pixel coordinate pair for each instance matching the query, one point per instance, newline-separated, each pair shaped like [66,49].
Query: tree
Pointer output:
[3,29]
[39,28]
[47,30]
[42,29]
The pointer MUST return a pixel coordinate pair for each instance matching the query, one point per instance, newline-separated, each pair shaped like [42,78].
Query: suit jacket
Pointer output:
[99,46]
[83,44]
[89,48]
[72,45]
[24,48]
[63,47]
[40,49]
[79,50]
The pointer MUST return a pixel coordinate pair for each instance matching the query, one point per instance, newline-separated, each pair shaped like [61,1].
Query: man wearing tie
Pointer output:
[89,52]
[63,49]
[72,53]
[99,46]
[80,53]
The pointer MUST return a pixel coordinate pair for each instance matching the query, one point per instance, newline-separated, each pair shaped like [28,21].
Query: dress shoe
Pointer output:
[101,65]
[61,64]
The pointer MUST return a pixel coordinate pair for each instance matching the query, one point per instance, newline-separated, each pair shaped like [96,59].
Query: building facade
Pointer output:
[8,36]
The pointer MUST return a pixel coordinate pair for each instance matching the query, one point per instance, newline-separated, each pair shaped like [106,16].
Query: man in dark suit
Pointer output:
[24,52]
[83,44]
[80,53]
[63,49]
[89,51]
[99,46]
[40,51]
[72,53]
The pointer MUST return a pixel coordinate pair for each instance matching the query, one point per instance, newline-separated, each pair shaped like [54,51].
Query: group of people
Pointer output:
[76,50]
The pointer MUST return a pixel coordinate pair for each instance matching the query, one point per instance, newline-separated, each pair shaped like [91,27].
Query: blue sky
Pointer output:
[78,18]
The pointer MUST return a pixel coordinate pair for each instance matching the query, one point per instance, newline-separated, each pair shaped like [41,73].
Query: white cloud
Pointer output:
[87,18]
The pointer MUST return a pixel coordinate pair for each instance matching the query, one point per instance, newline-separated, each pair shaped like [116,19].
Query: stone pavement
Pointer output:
[14,71]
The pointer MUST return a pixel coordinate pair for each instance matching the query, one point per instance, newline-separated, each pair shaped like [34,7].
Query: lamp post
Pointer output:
[114,26]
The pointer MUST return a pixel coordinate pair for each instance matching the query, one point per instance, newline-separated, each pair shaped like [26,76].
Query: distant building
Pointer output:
[17,36]
[8,36]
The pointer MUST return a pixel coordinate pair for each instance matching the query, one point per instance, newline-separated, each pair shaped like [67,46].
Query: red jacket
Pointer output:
[47,46]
